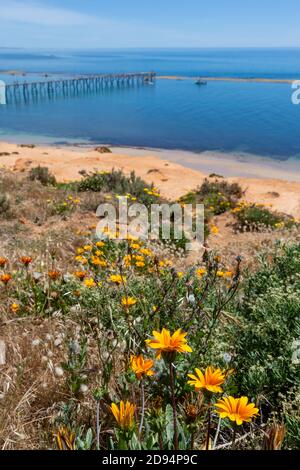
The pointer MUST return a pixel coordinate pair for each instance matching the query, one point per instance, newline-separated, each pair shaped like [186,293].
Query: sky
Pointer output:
[86,24]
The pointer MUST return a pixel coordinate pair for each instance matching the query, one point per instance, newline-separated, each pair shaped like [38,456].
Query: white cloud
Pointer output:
[36,13]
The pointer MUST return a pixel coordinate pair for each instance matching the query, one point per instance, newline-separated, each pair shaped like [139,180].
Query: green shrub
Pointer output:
[270,323]
[255,218]
[118,183]
[42,175]
[217,196]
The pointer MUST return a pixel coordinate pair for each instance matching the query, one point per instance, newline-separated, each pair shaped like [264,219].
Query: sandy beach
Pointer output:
[174,173]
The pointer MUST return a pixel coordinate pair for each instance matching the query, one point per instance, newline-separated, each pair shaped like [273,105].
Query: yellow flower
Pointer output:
[140,264]
[200,272]
[100,244]
[214,230]
[81,259]
[135,246]
[165,343]
[180,274]
[124,414]
[99,253]
[88,248]
[15,308]
[89,283]
[98,262]
[139,258]
[128,302]
[141,367]
[127,260]
[211,380]
[220,273]
[65,439]
[154,308]
[79,251]
[117,279]
[146,252]
[236,409]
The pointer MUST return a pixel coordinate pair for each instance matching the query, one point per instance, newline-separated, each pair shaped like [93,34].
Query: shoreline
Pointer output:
[173,173]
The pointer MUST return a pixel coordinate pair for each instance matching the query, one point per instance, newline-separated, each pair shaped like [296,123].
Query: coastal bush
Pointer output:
[117,183]
[42,175]
[255,217]
[218,196]
[269,312]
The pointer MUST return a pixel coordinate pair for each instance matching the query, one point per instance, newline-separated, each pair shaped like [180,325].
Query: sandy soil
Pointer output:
[172,179]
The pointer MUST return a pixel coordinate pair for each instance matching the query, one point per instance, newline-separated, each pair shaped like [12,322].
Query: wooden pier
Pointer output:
[71,87]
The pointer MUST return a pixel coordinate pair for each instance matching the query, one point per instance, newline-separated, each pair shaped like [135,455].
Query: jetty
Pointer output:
[27,91]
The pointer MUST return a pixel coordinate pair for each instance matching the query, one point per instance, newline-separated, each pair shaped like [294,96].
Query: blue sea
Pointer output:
[231,117]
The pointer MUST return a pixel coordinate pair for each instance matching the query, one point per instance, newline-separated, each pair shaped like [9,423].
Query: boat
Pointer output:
[199,81]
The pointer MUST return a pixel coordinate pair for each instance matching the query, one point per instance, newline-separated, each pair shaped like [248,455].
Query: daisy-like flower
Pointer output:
[65,439]
[166,343]
[211,380]
[200,272]
[15,308]
[141,367]
[26,260]
[237,409]
[124,414]
[87,247]
[89,283]
[54,275]
[100,244]
[5,278]
[117,279]
[128,302]
[80,275]
[3,262]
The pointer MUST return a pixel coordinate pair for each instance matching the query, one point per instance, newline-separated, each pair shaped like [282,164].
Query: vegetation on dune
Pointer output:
[117,345]
[255,217]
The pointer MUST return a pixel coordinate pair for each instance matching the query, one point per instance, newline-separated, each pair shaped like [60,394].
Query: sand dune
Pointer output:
[172,179]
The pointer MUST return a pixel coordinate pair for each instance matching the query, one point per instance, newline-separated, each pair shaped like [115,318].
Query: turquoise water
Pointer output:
[252,118]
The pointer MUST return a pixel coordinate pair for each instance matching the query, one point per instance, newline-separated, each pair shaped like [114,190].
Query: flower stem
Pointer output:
[208,427]
[172,384]
[143,409]
[233,438]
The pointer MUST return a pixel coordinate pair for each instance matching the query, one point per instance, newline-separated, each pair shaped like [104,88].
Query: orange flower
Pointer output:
[165,343]
[5,278]
[3,262]
[141,367]
[236,409]
[211,380]
[124,414]
[53,275]
[14,308]
[26,260]
[80,275]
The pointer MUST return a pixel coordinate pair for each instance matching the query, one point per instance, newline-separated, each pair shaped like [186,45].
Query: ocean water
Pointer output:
[235,117]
